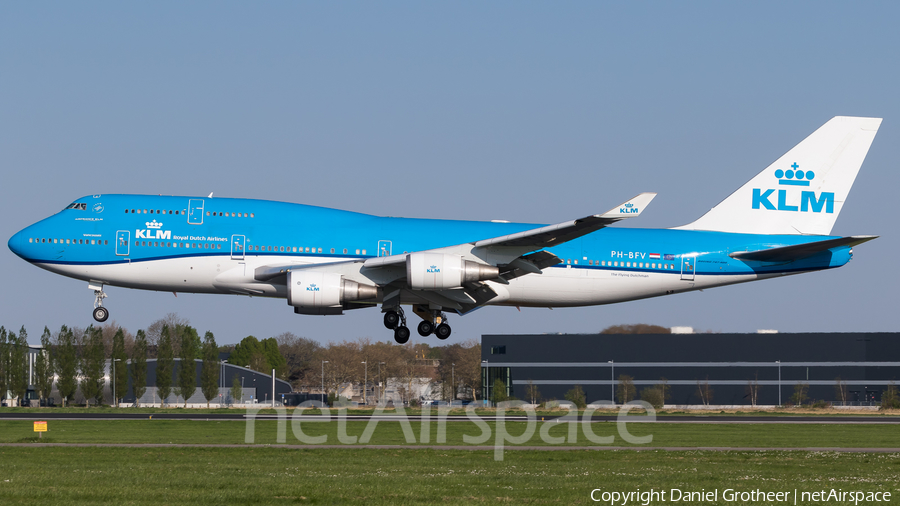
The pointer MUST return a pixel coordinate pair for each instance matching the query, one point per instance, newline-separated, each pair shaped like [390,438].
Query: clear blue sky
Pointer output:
[535,112]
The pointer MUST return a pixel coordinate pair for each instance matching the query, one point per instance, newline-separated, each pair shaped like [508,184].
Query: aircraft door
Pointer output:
[384,248]
[688,266]
[237,247]
[195,212]
[123,237]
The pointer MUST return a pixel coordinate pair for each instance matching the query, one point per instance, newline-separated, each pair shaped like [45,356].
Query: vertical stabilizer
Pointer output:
[804,190]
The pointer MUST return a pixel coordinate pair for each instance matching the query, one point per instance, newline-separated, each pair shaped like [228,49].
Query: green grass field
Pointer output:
[269,474]
[389,432]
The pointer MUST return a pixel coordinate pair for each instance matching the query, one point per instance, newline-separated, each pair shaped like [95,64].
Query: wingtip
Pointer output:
[630,208]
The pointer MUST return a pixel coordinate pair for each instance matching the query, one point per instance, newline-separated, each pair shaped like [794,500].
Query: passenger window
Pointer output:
[251,215]
[364,252]
[320,250]
[207,213]
[332,251]
[345,251]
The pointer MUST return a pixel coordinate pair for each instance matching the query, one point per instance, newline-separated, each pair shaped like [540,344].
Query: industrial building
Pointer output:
[730,364]
[256,387]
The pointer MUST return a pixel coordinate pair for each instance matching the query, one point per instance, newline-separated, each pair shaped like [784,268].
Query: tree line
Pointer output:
[77,357]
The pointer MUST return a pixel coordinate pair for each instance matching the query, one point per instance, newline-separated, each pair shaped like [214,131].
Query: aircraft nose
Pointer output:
[17,243]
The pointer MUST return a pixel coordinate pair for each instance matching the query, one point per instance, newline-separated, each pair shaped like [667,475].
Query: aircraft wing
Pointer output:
[798,251]
[519,254]
[551,235]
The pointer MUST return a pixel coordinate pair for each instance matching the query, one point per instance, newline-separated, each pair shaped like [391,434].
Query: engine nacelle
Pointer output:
[324,290]
[436,271]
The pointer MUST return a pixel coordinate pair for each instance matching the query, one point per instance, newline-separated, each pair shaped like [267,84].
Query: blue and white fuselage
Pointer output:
[324,261]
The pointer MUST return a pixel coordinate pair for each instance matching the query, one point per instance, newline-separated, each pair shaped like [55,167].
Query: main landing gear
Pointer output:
[101,314]
[396,321]
[433,322]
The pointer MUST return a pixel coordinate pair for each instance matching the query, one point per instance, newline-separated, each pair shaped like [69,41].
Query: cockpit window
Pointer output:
[78,205]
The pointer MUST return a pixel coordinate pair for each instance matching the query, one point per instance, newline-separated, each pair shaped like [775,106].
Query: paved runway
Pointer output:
[460,447]
[701,419]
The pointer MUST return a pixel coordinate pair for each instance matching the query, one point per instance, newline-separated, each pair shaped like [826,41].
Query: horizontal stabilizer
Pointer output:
[799,251]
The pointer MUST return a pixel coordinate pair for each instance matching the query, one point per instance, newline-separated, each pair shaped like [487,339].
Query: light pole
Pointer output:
[365,382]
[485,378]
[323,380]
[242,389]
[115,399]
[453,380]
[382,382]
[222,381]
[612,381]
[779,381]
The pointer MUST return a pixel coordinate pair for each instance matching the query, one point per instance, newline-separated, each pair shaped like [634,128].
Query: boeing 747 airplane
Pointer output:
[326,261]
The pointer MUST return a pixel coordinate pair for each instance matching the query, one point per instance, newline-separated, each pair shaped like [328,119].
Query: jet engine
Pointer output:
[436,271]
[312,292]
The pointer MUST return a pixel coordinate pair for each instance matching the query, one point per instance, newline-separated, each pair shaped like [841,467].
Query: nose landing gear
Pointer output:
[101,314]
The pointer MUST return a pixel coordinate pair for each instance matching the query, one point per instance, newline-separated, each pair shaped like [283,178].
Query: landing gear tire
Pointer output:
[391,320]
[401,334]
[101,314]
[425,328]
[442,331]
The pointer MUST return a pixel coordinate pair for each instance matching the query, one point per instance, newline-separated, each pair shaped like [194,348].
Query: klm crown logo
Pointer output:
[809,202]
[153,231]
[794,177]
[433,269]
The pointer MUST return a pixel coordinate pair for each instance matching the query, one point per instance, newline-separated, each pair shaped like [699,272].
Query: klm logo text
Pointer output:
[153,234]
[808,201]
